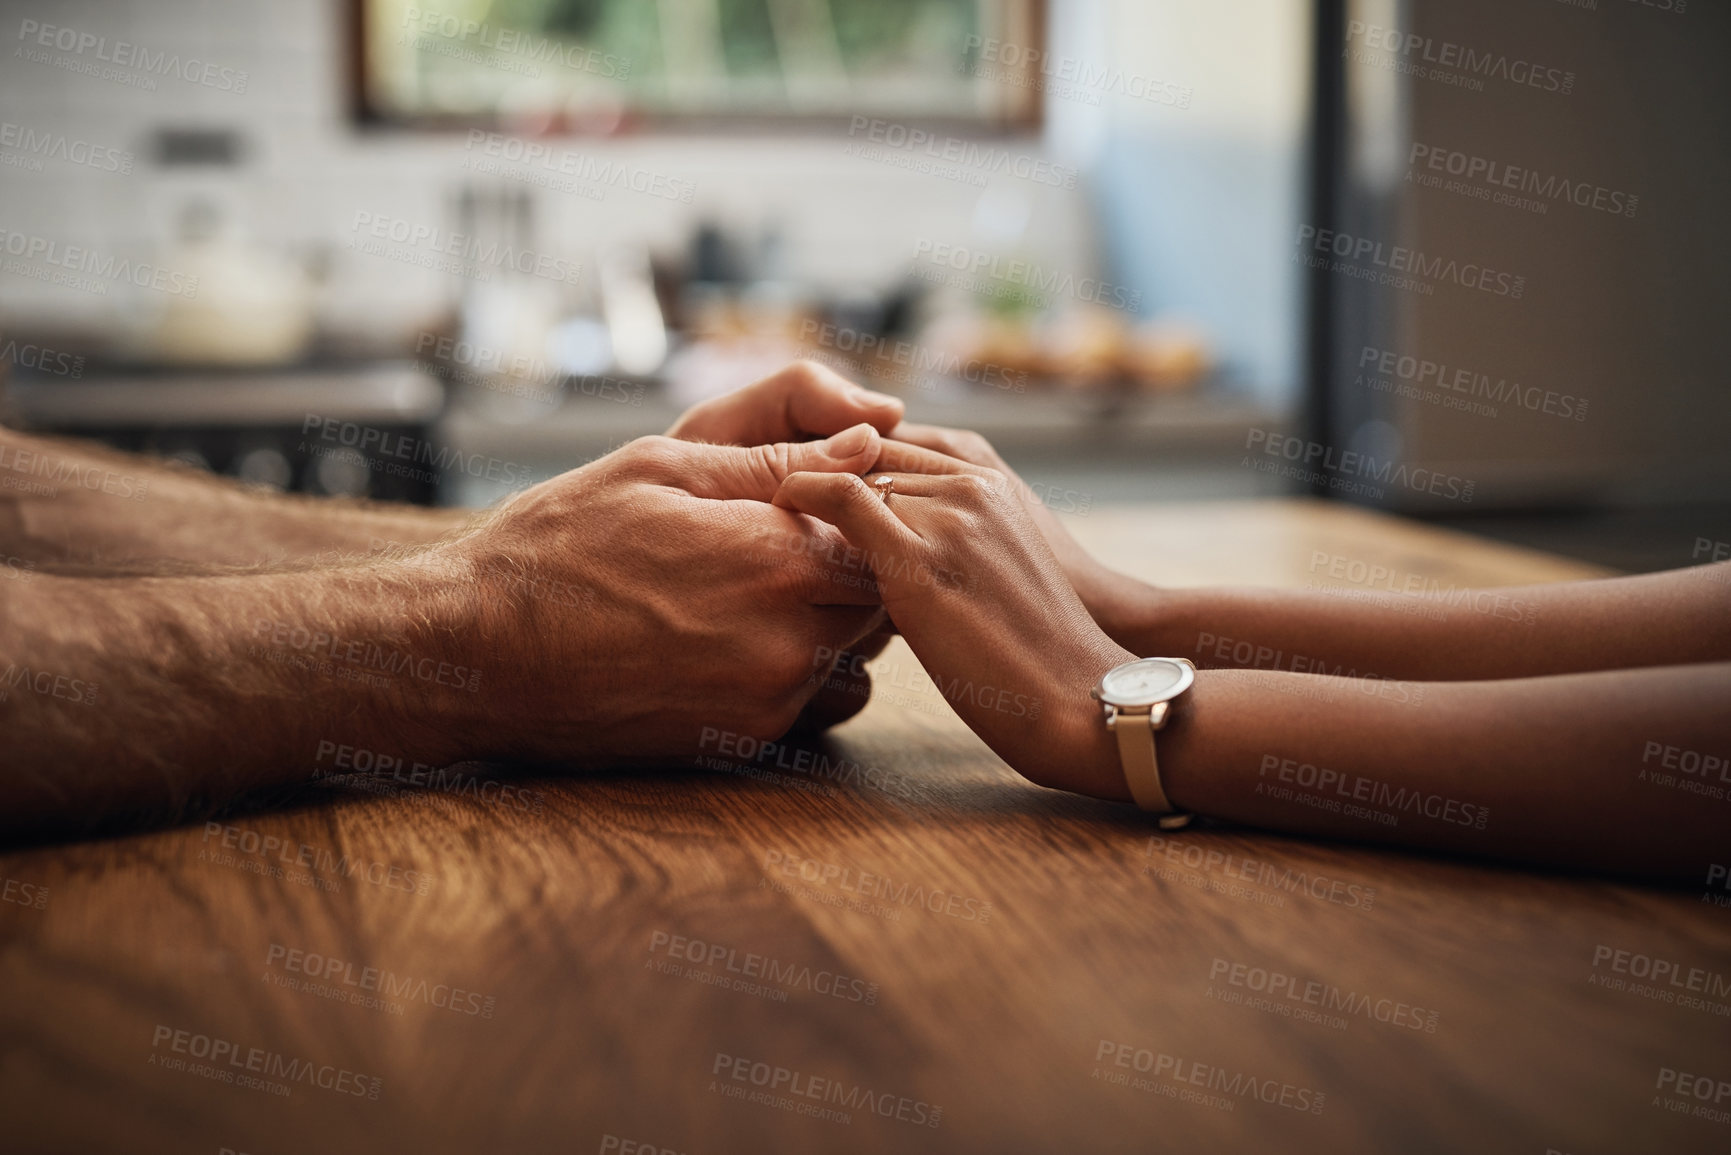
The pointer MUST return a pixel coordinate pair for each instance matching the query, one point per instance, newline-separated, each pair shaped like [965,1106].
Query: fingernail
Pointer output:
[849,441]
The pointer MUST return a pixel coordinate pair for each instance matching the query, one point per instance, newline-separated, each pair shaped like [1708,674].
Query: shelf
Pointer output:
[1049,422]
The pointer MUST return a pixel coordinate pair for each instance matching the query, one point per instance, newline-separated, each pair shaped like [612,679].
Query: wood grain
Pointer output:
[1064,925]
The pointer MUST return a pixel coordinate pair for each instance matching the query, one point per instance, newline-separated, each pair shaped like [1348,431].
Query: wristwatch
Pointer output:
[1137,698]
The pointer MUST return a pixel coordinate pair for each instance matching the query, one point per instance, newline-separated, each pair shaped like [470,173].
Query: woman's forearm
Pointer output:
[1626,771]
[66,504]
[1525,631]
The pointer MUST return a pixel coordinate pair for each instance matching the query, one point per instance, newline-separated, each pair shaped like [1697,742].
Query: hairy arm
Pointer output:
[616,612]
[71,505]
[155,695]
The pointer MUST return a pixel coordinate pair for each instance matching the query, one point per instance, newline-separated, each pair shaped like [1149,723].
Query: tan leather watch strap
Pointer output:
[1142,764]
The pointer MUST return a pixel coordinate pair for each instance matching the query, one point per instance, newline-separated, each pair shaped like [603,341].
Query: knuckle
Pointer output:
[653,453]
[792,666]
[805,372]
[855,490]
[970,446]
[773,462]
[975,490]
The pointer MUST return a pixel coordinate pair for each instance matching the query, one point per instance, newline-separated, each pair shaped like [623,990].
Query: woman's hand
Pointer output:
[802,401]
[1120,604]
[968,579]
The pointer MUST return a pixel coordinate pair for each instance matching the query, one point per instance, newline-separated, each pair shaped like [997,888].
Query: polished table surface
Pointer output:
[892,944]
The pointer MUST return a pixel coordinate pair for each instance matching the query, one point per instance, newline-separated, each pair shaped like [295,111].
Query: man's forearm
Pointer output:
[152,695]
[1619,770]
[70,504]
[1529,631]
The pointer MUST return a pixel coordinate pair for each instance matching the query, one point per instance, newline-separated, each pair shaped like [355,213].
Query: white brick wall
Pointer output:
[308,171]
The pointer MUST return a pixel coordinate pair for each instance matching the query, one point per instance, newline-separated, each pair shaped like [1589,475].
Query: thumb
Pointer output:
[820,402]
[756,472]
[806,399]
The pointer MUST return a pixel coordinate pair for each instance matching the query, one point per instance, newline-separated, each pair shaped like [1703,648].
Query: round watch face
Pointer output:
[1145,682]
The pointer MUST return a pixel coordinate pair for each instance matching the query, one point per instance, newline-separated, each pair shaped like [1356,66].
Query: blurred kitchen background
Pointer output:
[518,233]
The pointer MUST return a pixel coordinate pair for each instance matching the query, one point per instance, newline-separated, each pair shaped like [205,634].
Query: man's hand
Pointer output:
[630,604]
[610,613]
[802,401]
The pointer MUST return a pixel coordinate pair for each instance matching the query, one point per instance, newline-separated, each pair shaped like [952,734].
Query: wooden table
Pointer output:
[916,952]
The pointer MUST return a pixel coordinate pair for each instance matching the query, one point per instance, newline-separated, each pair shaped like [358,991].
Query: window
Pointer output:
[601,65]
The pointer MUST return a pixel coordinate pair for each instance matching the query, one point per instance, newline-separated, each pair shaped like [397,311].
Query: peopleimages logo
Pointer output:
[1234,1086]
[1708,1092]
[1417,593]
[1294,992]
[57,471]
[1498,182]
[990,270]
[1455,63]
[920,362]
[27,894]
[970,154]
[534,160]
[508,42]
[749,967]
[371,987]
[1399,266]
[124,55]
[374,767]
[829,663]
[463,253]
[1066,77]
[739,747]
[1692,980]
[76,259]
[36,146]
[821,873]
[1338,790]
[361,659]
[1353,464]
[226,1061]
[402,447]
[274,848]
[49,684]
[1351,895]
[793,1086]
[42,359]
[1422,379]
